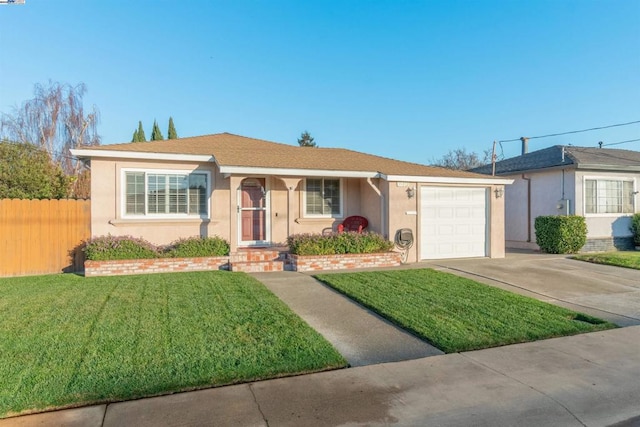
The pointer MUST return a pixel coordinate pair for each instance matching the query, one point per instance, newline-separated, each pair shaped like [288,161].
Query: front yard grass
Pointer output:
[629,259]
[457,314]
[68,340]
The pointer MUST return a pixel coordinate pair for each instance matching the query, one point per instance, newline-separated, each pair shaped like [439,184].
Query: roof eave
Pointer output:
[534,170]
[137,155]
[617,168]
[448,180]
[252,170]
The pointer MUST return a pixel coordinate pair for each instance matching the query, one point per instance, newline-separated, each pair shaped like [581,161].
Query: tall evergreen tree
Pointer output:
[140,133]
[306,140]
[135,136]
[156,134]
[171,133]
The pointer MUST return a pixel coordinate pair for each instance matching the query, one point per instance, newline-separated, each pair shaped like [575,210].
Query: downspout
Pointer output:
[524,177]
[382,207]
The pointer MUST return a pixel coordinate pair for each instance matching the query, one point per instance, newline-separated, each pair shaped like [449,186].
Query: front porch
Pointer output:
[265,210]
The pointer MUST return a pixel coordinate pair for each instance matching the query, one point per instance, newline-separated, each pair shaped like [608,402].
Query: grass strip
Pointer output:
[69,340]
[458,314]
[628,259]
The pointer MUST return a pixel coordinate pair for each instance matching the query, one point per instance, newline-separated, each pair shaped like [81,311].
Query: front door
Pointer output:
[253,212]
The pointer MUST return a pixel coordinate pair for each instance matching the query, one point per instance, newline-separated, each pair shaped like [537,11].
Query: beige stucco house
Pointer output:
[600,184]
[255,193]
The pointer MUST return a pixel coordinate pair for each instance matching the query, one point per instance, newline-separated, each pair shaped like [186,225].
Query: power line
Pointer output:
[573,131]
[620,142]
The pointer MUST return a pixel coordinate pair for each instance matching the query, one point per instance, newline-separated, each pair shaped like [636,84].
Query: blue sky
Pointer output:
[404,79]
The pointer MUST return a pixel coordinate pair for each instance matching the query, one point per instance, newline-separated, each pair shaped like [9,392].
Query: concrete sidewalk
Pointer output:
[361,336]
[584,380]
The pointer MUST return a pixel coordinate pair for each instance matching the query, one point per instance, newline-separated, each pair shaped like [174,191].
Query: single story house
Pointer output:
[256,193]
[600,184]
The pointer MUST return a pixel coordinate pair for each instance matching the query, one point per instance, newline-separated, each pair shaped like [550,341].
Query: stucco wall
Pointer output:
[605,225]
[546,193]
[370,206]
[285,207]
[403,213]
[515,196]
[548,188]
[106,200]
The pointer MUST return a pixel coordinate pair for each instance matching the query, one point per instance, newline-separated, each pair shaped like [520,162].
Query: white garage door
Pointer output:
[453,222]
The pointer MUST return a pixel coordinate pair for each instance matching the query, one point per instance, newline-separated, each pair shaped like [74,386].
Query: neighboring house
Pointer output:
[256,193]
[598,183]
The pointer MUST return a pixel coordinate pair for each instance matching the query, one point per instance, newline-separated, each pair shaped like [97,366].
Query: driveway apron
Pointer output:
[361,336]
[608,292]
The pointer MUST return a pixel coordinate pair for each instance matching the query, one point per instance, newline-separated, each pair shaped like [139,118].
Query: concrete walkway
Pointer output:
[584,380]
[361,336]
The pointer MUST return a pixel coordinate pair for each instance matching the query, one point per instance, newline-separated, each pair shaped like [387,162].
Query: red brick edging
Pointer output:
[344,261]
[157,265]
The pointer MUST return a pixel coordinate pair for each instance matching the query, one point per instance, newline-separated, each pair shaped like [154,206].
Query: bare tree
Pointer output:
[461,160]
[54,120]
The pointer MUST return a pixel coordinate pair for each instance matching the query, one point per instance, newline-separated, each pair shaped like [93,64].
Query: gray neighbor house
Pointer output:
[600,184]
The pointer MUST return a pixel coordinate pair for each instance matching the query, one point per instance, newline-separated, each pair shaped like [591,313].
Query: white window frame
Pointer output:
[606,178]
[304,198]
[147,215]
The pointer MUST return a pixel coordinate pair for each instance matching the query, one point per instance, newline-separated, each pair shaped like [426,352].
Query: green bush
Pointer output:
[198,247]
[106,248]
[557,234]
[342,243]
[635,228]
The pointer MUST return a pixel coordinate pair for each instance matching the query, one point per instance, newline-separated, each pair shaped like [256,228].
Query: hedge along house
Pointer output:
[599,184]
[255,193]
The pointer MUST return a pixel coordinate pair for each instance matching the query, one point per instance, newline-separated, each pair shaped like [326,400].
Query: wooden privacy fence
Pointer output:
[42,236]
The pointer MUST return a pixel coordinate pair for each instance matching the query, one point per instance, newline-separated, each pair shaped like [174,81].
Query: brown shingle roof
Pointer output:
[235,150]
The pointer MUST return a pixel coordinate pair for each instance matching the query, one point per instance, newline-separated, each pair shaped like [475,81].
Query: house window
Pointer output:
[323,197]
[166,193]
[608,196]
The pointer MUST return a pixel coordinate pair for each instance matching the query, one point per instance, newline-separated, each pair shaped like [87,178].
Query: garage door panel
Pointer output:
[453,222]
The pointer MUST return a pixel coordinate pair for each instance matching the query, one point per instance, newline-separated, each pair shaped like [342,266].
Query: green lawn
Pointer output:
[458,314]
[629,259]
[67,340]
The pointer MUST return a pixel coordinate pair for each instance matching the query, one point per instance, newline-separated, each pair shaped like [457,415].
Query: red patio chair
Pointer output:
[353,223]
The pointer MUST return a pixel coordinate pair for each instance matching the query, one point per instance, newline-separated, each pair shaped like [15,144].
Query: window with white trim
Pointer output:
[323,197]
[166,193]
[608,196]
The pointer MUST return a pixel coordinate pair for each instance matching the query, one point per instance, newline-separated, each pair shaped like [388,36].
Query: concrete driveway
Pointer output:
[610,293]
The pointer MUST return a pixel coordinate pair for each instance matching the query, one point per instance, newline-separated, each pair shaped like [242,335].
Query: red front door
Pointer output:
[253,211]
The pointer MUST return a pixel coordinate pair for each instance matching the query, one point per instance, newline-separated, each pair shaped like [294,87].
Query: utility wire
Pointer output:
[573,131]
[621,142]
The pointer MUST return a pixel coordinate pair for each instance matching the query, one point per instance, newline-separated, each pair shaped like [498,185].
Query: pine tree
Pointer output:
[156,134]
[135,136]
[141,136]
[306,140]
[171,133]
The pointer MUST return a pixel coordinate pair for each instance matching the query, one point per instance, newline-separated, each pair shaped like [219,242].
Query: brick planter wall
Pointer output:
[344,261]
[158,265]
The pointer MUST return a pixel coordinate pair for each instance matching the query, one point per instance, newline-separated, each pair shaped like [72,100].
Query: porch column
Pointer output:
[234,203]
[291,183]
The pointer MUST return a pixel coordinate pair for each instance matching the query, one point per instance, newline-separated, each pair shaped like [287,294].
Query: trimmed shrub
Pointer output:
[110,248]
[198,247]
[107,248]
[635,228]
[557,234]
[334,244]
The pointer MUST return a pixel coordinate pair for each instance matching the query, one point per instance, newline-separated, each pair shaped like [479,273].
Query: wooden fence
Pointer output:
[42,236]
